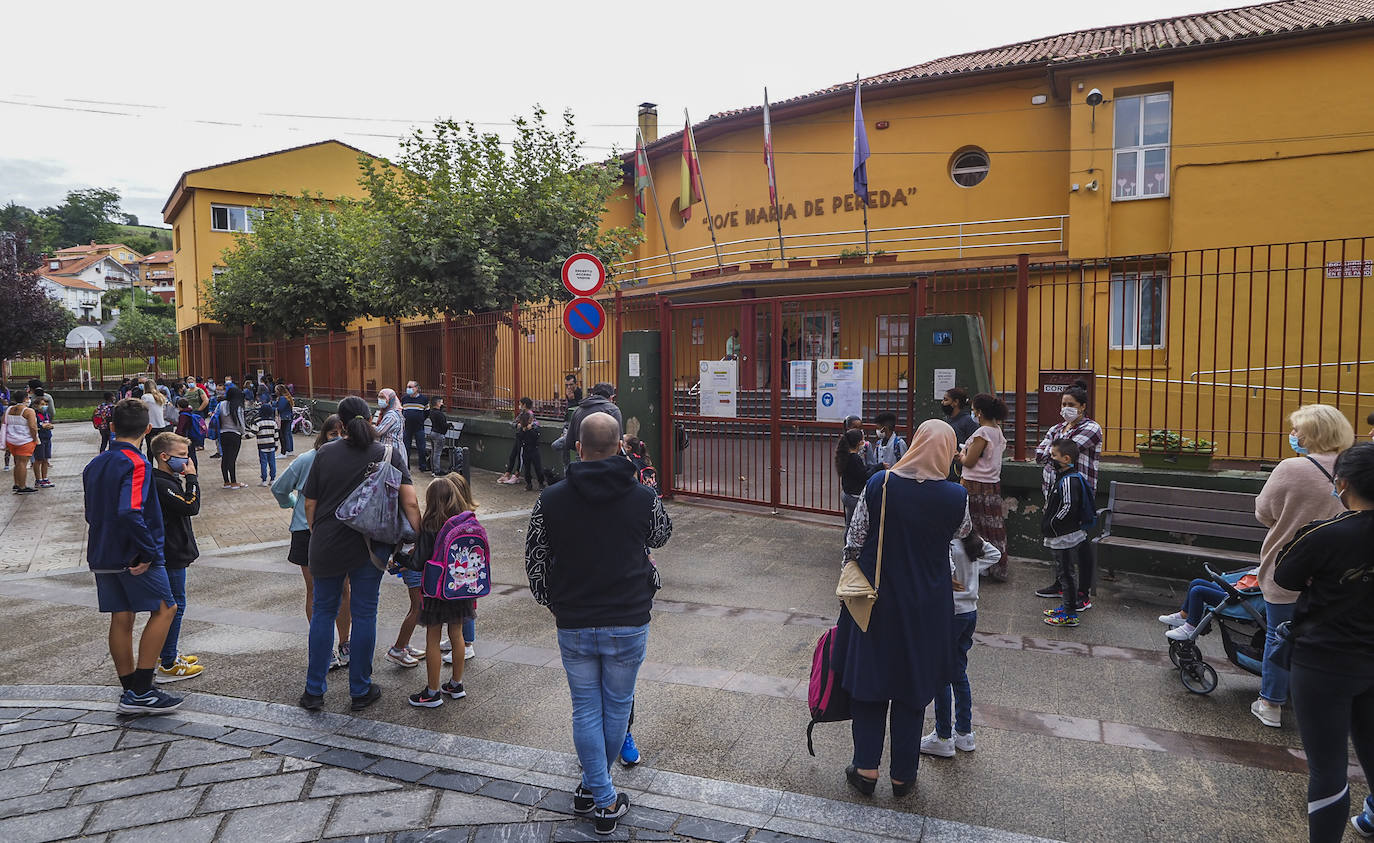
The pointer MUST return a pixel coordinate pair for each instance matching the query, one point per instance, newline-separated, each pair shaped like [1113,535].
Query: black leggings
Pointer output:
[1331,707]
[229,443]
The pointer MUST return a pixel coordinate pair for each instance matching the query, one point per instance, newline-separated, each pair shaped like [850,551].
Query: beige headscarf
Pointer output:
[931,452]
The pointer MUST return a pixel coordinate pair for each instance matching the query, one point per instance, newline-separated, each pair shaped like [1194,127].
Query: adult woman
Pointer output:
[955,406]
[1297,492]
[285,412]
[1332,564]
[20,438]
[981,458]
[231,428]
[390,421]
[1073,409]
[156,402]
[340,554]
[849,464]
[905,656]
[287,490]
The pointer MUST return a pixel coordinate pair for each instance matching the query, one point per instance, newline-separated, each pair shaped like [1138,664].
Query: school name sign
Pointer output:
[842,203]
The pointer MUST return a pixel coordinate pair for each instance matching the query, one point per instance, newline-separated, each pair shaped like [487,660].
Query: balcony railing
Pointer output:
[1036,235]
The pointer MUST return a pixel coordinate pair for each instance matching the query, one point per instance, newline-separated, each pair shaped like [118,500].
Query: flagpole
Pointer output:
[773,178]
[662,229]
[867,247]
[702,180]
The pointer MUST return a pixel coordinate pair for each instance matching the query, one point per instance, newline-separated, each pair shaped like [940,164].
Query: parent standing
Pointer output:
[1073,409]
[391,422]
[981,458]
[1332,564]
[893,670]
[286,416]
[1298,492]
[232,426]
[340,554]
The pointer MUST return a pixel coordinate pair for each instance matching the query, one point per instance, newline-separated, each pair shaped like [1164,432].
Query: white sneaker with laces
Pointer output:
[1176,619]
[468,652]
[445,645]
[1180,633]
[964,742]
[1269,714]
[933,744]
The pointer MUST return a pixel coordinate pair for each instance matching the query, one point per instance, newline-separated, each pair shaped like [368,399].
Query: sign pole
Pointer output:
[309,372]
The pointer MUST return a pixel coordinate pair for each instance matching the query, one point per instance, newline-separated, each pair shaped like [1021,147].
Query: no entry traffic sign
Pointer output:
[584,318]
[583,274]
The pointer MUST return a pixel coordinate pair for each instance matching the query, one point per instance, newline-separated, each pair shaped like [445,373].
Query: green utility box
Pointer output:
[639,392]
[949,352]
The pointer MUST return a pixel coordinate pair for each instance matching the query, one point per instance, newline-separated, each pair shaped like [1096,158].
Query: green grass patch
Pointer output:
[68,414]
[25,369]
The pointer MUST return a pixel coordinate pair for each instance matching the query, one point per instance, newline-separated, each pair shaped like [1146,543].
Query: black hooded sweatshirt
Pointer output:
[586,552]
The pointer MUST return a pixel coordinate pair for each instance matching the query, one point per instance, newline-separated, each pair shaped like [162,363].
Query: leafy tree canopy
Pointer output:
[32,319]
[307,267]
[85,216]
[141,333]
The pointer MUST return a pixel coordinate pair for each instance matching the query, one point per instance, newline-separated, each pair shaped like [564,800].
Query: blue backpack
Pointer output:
[461,565]
[212,429]
[1089,506]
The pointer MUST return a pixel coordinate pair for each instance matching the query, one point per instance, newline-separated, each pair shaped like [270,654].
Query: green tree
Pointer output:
[85,216]
[143,334]
[32,319]
[307,267]
[40,233]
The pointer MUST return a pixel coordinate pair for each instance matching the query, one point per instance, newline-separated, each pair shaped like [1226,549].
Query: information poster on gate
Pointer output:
[719,388]
[801,378]
[839,389]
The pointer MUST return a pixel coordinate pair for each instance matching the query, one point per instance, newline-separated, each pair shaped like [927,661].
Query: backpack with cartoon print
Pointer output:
[461,565]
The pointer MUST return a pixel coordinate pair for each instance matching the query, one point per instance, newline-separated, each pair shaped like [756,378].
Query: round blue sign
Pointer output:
[584,318]
[827,399]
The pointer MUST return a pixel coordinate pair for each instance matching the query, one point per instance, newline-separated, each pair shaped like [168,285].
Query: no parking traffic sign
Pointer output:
[583,274]
[583,318]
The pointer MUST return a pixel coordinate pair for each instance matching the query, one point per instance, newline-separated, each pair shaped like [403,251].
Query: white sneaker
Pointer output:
[401,657]
[445,645]
[468,652]
[964,742]
[1176,619]
[933,744]
[448,657]
[1269,714]
[1180,633]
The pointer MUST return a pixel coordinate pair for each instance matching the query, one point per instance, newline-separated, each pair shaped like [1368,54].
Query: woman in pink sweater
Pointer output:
[1298,492]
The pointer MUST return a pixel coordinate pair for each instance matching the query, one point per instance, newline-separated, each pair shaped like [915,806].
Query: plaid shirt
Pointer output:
[1088,435]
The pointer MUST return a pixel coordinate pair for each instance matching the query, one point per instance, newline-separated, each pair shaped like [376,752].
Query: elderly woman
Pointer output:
[1298,492]
[390,422]
[905,656]
[1331,563]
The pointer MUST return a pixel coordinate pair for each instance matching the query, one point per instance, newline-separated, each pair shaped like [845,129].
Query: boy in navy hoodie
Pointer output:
[1063,527]
[125,552]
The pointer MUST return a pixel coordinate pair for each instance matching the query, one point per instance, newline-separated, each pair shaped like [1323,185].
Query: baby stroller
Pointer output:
[1240,616]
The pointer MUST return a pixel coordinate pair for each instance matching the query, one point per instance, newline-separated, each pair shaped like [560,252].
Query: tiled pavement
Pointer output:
[229,769]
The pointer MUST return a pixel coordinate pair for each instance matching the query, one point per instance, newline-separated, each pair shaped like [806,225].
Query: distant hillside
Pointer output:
[140,236]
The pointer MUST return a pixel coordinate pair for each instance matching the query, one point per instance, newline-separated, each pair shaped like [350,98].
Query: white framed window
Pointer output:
[1138,307]
[894,333]
[233,218]
[1140,157]
[969,167]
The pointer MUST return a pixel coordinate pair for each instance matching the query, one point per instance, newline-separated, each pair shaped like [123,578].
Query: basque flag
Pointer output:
[691,173]
[768,153]
[860,147]
[641,174]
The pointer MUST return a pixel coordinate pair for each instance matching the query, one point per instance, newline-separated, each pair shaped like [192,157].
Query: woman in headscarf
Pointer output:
[391,422]
[905,655]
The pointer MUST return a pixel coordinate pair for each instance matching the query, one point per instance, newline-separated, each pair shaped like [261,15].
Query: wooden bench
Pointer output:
[1177,518]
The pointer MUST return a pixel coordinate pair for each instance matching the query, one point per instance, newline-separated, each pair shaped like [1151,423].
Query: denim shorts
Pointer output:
[412,579]
[121,591]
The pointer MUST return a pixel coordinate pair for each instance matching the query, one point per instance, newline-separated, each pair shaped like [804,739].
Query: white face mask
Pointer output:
[1068,413]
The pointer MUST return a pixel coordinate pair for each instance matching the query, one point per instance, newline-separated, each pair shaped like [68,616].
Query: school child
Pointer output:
[527,436]
[438,431]
[449,509]
[512,474]
[101,420]
[968,557]
[1062,525]
[179,505]
[888,447]
[266,433]
[637,451]
[42,453]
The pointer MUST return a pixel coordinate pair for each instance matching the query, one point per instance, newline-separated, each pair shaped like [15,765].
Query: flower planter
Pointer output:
[729,268]
[884,258]
[755,266]
[1181,460]
[702,273]
[902,384]
[799,264]
[849,261]
[828,262]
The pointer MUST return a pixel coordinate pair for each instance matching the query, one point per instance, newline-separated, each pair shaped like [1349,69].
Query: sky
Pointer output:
[129,99]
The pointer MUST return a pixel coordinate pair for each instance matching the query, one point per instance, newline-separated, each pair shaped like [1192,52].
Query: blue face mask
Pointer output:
[1295,445]
[177,464]
[381,402]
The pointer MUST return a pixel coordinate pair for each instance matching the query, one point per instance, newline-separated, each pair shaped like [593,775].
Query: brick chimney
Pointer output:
[648,121]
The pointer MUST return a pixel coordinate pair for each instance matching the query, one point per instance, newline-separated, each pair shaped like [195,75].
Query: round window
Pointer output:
[969,167]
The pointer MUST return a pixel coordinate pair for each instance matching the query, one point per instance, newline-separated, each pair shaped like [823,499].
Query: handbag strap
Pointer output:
[882,524]
[1320,468]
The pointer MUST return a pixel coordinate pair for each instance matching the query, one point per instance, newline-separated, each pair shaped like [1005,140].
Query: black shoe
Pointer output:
[583,803]
[214,456]
[373,694]
[863,784]
[311,702]
[1055,591]
[608,818]
[903,789]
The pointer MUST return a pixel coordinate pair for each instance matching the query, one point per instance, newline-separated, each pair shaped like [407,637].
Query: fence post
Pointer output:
[1022,352]
[913,308]
[400,373]
[47,364]
[445,373]
[775,426]
[619,310]
[362,360]
[515,392]
[668,433]
[157,359]
[100,353]
[328,364]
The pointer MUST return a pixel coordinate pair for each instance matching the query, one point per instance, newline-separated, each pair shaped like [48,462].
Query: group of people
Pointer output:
[26,435]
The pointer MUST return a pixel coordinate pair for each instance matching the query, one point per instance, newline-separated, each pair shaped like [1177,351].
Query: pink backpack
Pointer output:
[828,701]
[461,565]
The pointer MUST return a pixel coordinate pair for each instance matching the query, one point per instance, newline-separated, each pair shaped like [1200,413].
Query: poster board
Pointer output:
[719,388]
[800,379]
[839,389]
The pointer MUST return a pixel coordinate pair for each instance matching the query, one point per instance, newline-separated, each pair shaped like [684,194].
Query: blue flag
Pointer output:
[860,148]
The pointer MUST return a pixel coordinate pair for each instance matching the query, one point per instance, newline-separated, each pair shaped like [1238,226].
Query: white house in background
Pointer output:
[82,298]
[78,282]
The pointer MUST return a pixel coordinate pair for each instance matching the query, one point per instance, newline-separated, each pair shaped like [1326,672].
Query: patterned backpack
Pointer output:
[461,565]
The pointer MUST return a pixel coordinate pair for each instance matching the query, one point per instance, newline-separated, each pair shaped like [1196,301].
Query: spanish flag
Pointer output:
[691,173]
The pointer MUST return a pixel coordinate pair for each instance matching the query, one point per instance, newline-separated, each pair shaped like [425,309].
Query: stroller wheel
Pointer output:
[1198,677]
[1173,652]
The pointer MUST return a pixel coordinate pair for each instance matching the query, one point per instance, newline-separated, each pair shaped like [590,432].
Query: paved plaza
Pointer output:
[1083,734]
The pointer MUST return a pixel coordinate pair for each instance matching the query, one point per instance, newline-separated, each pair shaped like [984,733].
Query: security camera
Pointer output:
[1092,185]
[1094,97]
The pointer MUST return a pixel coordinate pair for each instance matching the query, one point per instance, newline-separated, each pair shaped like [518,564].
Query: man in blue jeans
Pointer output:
[600,592]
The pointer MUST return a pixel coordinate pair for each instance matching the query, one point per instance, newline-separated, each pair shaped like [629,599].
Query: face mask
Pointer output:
[177,464]
[381,403]
[411,391]
[1295,445]
[1068,413]
[947,409]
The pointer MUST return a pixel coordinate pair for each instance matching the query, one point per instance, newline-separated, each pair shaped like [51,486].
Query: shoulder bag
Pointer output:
[374,509]
[854,589]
